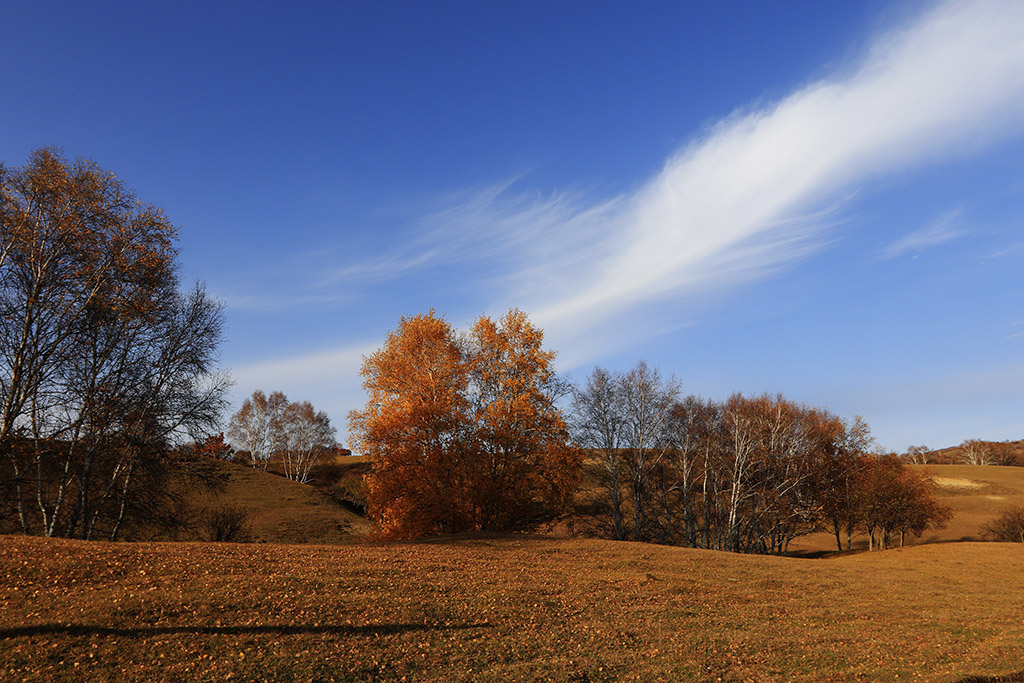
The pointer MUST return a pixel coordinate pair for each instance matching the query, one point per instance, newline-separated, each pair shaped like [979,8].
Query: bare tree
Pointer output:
[104,365]
[308,434]
[976,452]
[647,401]
[598,424]
[258,427]
[918,455]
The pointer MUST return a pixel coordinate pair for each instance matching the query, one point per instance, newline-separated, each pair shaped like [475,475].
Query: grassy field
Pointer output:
[498,609]
[976,494]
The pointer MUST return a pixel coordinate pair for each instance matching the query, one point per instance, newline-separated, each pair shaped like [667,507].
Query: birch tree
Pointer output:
[598,424]
[308,436]
[104,364]
[976,452]
[647,402]
[258,427]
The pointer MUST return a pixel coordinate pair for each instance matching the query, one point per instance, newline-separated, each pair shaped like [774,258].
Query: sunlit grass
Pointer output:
[496,609]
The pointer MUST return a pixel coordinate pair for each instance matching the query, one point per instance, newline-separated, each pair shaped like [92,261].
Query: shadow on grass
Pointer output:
[1008,678]
[280,629]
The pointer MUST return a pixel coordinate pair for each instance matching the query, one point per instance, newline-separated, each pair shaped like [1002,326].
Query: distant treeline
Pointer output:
[747,475]
[464,434]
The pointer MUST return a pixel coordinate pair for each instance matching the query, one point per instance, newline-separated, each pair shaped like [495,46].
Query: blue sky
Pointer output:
[819,199]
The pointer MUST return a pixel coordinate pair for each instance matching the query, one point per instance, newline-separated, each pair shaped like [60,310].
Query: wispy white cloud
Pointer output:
[1010,250]
[320,366]
[946,228]
[756,191]
[736,202]
[277,300]
[493,227]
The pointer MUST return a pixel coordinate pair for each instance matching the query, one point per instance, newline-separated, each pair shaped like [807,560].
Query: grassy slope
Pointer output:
[977,495]
[285,512]
[282,511]
[503,609]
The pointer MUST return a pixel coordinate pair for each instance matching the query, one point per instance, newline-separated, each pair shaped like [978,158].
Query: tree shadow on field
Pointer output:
[1007,678]
[279,629]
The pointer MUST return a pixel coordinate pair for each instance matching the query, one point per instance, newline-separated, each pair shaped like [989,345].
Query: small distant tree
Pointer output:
[215,447]
[1008,527]
[975,452]
[225,524]
[258,427]
[918,455]
[308,436]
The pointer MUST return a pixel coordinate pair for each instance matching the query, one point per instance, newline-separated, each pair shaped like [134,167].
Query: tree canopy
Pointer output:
[104,363]
[462,431]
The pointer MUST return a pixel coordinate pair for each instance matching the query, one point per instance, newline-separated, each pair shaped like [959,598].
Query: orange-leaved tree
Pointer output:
[523,464]
[463,432]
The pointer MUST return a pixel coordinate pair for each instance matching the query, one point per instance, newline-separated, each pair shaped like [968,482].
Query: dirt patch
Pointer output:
[957,483]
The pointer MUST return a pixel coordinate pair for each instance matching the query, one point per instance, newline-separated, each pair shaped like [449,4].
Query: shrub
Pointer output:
[226,524]
[1008,527]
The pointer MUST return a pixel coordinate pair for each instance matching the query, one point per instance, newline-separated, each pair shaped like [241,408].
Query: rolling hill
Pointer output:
[283,511]
[280,510]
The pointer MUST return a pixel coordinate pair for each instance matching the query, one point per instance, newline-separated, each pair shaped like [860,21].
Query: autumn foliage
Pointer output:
[462,431]
[894,501]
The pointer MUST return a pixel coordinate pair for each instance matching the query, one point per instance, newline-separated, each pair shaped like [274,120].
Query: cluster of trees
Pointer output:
[463,430]
[748,474]
[105,365]
[889,500]
[464,433]
[297,434]
[970,452]
[977,452]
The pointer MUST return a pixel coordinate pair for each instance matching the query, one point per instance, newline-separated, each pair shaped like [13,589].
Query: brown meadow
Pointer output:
[504,608]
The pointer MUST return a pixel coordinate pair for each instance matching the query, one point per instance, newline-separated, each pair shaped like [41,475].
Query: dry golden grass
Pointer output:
[503,609]
[283,511]
[977,495]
